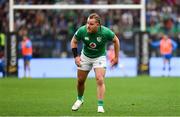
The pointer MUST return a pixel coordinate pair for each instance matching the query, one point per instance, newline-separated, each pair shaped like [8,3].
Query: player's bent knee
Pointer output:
[100,81]
[99,76]
[81,82]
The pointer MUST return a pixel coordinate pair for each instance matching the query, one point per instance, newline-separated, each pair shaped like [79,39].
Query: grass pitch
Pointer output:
[140,96]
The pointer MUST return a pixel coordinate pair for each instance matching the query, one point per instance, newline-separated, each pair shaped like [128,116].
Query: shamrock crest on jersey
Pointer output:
[99,39]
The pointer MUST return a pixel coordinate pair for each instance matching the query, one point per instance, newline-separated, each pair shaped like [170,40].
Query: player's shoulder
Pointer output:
[80,32]
[82,28]
[105,29]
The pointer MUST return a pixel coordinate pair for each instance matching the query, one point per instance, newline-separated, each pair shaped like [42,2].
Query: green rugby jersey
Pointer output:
[94,44]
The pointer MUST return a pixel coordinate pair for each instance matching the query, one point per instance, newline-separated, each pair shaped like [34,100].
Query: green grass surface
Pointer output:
[139,96]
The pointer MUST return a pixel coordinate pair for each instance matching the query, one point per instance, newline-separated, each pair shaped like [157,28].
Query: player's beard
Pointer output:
[91,30]
[88,30]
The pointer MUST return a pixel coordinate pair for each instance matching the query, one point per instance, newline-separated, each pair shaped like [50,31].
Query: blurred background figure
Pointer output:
[166,46]
[2,63]
[2,44]
[110,56]
[26,49]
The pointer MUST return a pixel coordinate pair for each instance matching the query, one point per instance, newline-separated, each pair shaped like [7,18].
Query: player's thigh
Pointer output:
[27,60]
[99,62]
[100,73]
[167,57]
[82,75]
[99,65]
[86,64]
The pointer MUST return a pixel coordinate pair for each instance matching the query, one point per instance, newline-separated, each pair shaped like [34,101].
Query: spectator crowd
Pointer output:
[52,30]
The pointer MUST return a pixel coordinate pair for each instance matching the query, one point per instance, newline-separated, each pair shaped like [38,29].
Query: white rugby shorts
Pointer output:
[88,63]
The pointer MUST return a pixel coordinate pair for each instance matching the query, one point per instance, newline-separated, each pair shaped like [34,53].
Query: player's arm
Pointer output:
[174,44]
[74,44]
[155,43]
[28,44]
[116,50]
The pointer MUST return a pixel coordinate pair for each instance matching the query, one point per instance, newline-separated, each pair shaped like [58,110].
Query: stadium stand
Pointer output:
[77,1]
[51,30]
[163,17]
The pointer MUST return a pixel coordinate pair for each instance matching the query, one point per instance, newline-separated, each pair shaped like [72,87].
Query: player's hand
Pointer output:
[78,61]
[114,61]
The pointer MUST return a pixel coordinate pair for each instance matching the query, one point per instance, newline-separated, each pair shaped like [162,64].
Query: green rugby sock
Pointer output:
[100,102]
[80,97]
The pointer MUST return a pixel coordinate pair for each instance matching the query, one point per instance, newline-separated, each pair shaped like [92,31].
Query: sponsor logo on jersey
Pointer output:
[92,45]
[99,39]
[86,38]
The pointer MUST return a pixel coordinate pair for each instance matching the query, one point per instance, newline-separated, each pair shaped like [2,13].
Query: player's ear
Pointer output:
[97,24]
